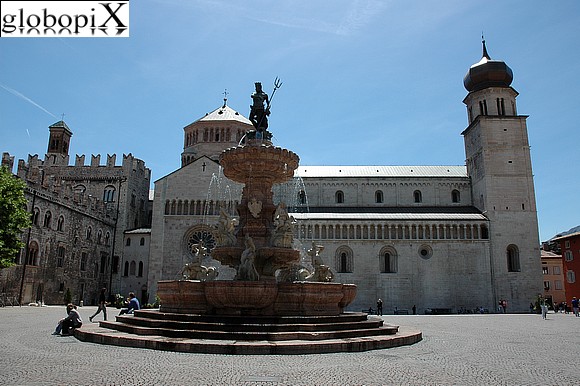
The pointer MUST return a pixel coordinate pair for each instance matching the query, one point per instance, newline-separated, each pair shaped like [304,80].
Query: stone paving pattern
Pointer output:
[455,350]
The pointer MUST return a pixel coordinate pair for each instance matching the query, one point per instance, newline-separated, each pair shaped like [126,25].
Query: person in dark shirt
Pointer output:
[102,305]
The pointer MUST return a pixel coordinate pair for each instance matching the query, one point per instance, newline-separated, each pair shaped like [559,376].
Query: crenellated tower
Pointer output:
[500,168]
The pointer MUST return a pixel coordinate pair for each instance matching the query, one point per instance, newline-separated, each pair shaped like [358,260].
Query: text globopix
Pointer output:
[65,19]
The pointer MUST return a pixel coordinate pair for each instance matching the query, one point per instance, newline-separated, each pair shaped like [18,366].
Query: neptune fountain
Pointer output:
[274,305]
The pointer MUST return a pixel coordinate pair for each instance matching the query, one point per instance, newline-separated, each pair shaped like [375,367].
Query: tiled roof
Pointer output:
[138,231]
[391,216]
[381,171]
[568,236]
[224,113]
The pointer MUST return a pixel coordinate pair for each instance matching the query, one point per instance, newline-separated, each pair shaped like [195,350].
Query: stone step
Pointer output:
[251,319]
[219,325]
[241,334]
[94,333]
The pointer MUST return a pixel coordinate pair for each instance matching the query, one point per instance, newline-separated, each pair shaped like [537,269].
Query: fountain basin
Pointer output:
[266,298]
[233,297]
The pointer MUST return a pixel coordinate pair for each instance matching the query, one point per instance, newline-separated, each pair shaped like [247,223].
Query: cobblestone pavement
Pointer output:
[456,350]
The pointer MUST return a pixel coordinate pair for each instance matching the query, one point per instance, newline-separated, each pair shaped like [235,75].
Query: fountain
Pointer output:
[272,297]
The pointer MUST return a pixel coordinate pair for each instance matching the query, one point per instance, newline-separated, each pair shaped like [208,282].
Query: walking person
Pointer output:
[102,305]
[380,307]
[575,306]
[544,308]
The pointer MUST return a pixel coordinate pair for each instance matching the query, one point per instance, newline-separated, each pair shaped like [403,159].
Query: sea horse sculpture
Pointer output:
[196,271]
[321,272]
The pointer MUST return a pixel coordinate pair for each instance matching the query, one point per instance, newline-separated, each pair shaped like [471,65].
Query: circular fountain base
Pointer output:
[265,298]
[248,335]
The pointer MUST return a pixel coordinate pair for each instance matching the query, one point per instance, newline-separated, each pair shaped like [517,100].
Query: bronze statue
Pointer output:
[258,111]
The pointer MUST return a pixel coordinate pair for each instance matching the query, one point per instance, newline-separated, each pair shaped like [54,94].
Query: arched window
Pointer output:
[339,197]
[484,231]
[513,258]
[60,252]
[35,216]
[379,197]
[99,236]
[142,241]
[109,193]
[60,224]
[32,253]
[47,218]
[126,269]
[455,196]
[302,197]
[418,196]
[388,260]
[132,268]
[128,242]
[343,259]
[84,261]
[140,271]
[107,238]
[89,233]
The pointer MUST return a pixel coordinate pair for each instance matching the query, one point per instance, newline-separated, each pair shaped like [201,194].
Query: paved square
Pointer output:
[456,350]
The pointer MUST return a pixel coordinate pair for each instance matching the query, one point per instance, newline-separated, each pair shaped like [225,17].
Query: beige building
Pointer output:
[553,275]
[434,237]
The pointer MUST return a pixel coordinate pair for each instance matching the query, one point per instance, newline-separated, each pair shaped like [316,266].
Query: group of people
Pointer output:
[73,320]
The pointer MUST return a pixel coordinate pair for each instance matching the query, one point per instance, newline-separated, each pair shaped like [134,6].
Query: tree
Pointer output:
[14,217]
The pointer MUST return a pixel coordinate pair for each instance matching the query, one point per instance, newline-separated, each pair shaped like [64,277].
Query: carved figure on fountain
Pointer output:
[247,269]
[194,270]
[226,228]
[322,272]
[283,234]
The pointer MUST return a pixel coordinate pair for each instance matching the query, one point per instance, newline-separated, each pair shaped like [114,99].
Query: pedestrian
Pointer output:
[66,326]
[132,305]
[380,307]
[544,308]
[575,306]
[414,309]
[102,305]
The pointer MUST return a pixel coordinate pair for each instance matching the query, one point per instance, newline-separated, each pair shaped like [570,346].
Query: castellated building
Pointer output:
[79,214]
[432,238]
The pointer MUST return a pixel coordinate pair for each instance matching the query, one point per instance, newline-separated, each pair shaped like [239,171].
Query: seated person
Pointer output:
[132,305]
[68,324]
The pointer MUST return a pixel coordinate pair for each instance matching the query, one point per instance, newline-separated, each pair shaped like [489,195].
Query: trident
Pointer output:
[277,85]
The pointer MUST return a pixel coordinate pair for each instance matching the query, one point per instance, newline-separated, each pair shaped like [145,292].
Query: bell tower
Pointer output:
[59,139]
[499,165]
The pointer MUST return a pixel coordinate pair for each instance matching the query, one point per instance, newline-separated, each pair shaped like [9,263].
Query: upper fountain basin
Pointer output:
[259,162]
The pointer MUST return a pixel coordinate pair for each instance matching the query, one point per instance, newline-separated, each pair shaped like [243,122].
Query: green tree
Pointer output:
[14,217]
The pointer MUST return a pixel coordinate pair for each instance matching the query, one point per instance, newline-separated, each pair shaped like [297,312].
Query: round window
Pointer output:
[425,252]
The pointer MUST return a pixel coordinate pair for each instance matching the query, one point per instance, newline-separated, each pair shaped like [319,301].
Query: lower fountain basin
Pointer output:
[266,298]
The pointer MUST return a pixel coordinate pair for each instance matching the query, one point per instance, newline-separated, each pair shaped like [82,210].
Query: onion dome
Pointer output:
[487,73]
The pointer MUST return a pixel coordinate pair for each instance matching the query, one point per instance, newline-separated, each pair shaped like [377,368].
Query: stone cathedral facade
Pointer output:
[445,238]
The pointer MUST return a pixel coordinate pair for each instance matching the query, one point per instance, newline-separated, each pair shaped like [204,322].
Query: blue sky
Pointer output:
[365,82]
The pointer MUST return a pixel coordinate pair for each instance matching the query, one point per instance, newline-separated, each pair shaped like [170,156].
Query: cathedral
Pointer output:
[428,238]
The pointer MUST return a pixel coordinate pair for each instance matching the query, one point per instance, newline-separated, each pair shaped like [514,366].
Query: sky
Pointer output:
[364,82]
